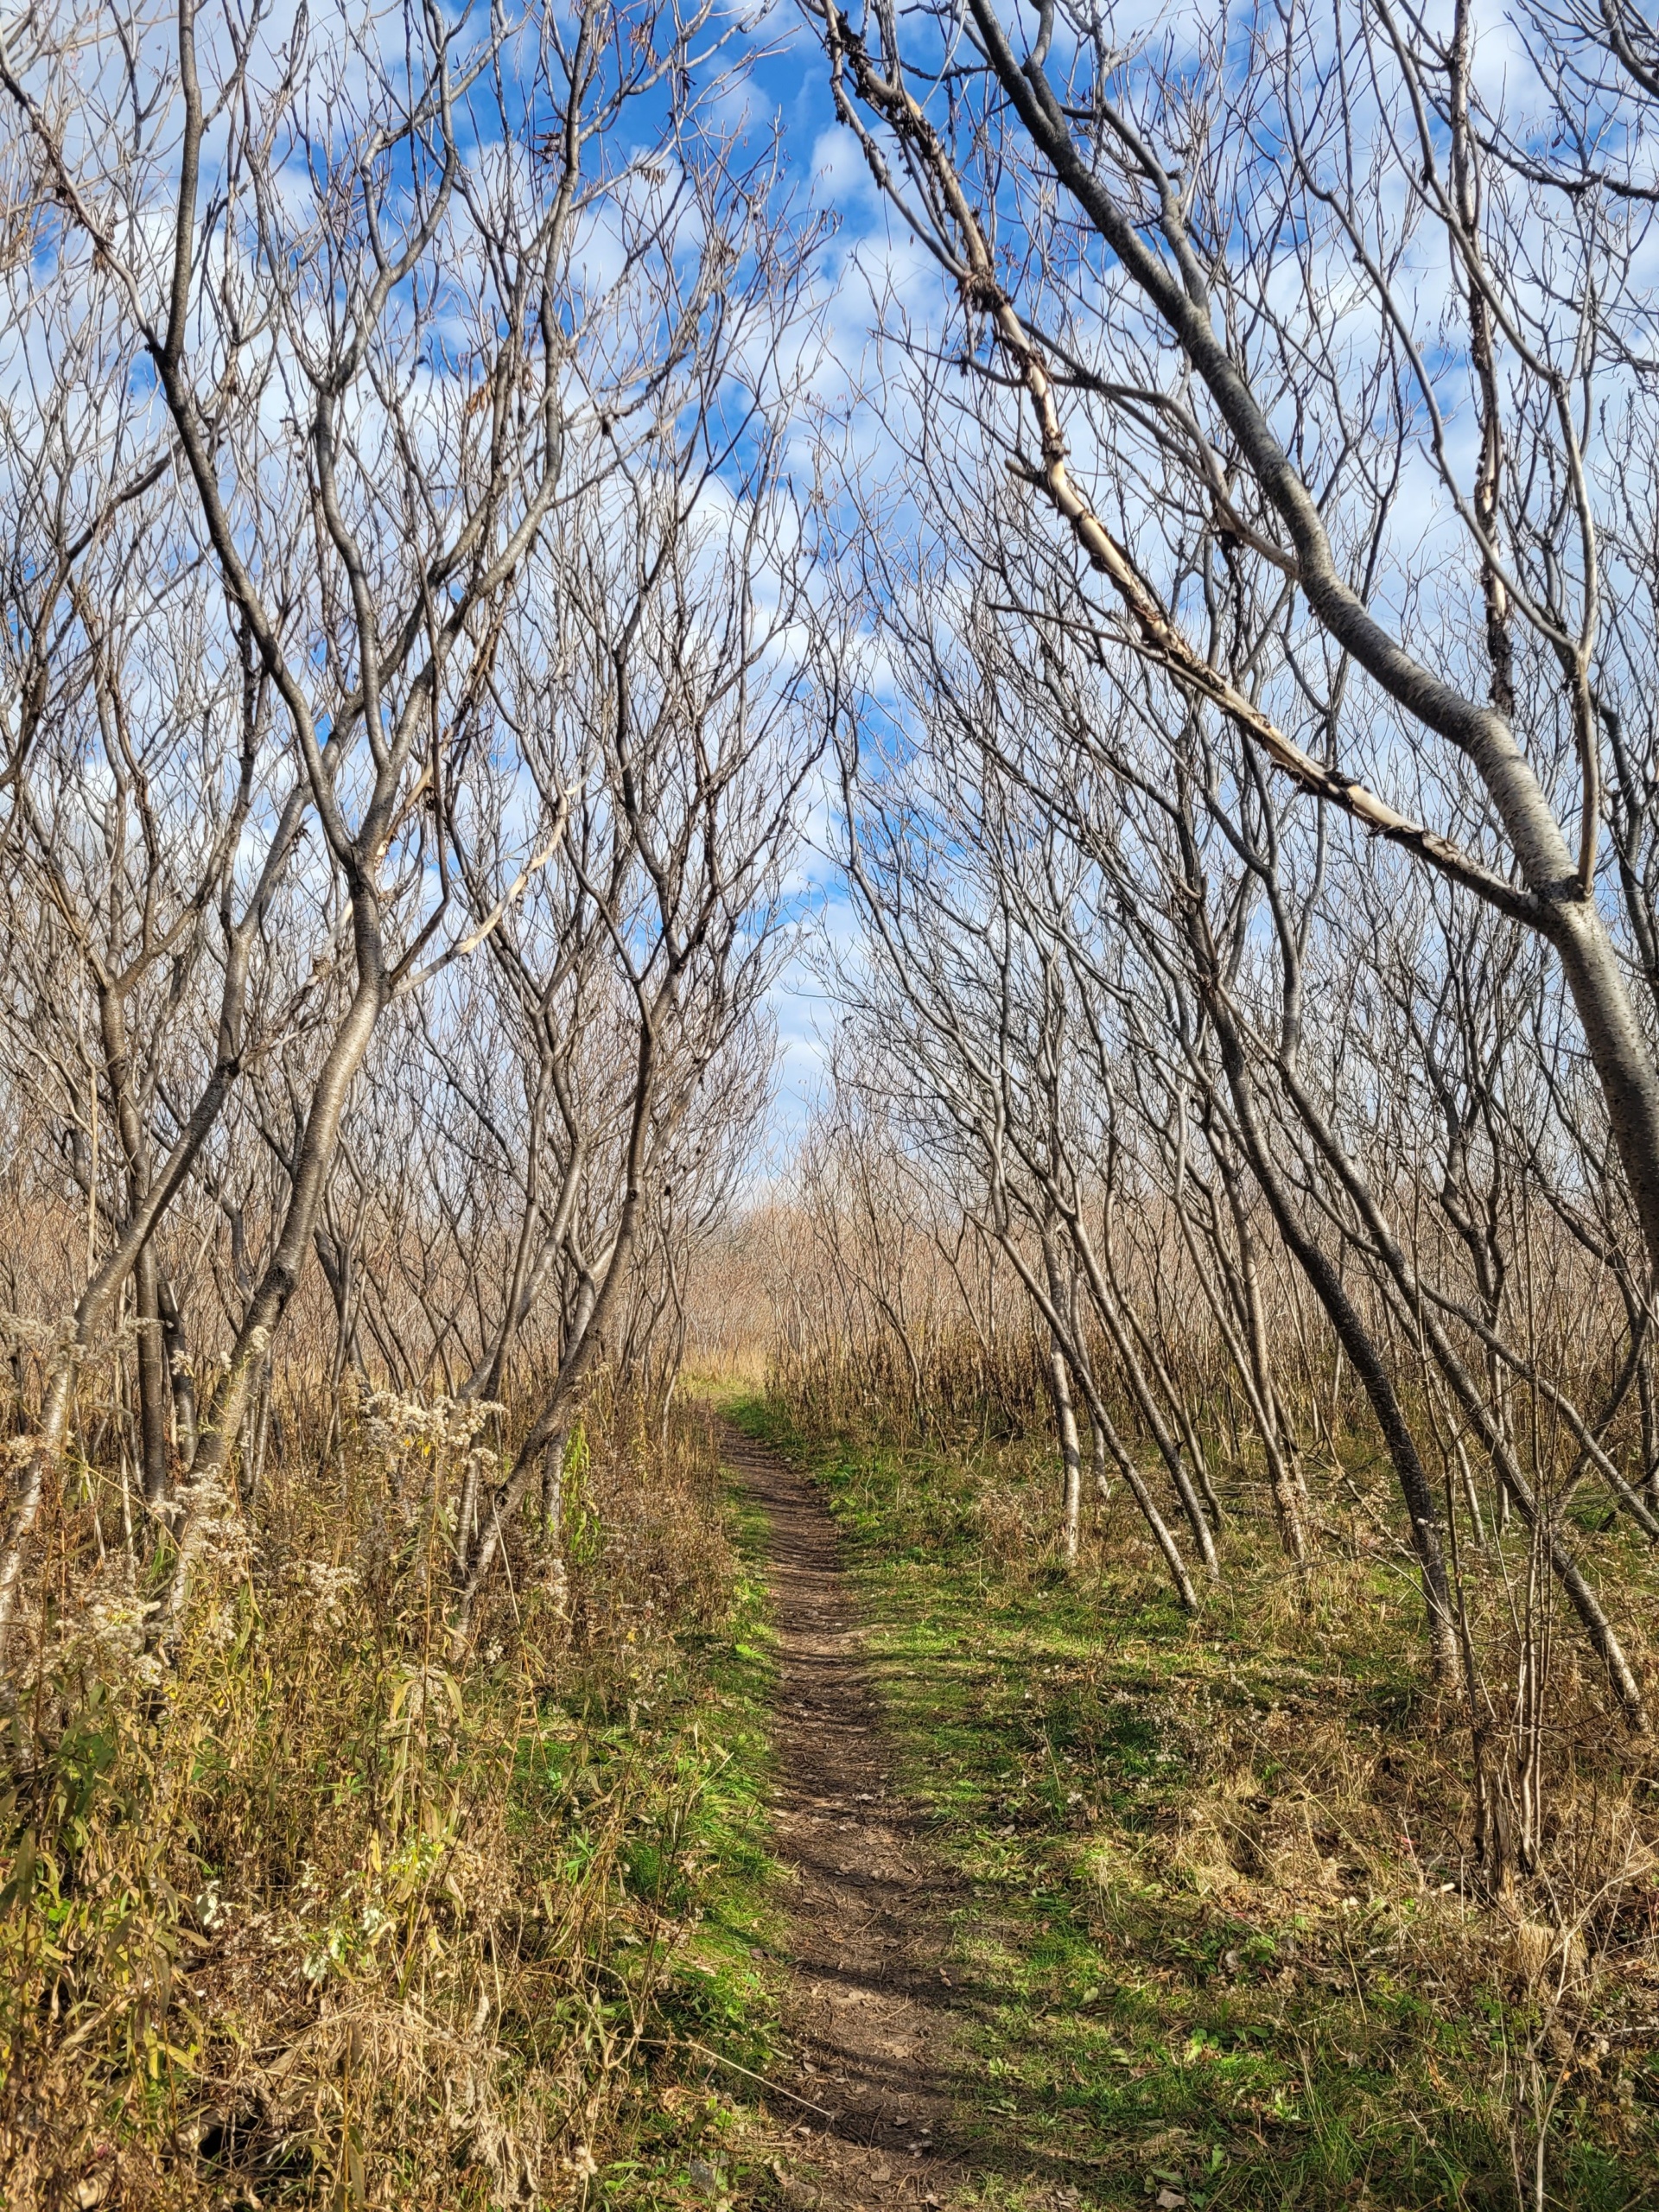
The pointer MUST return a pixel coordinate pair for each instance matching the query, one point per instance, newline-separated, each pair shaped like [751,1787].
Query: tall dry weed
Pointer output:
[307,1914]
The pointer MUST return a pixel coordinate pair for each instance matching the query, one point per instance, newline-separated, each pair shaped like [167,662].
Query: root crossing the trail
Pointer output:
[868,2010]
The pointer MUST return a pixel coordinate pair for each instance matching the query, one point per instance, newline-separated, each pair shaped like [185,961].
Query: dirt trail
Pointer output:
[868,2010]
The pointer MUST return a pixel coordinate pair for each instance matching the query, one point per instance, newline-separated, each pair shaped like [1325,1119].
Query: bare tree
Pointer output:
[680,678]
[360,403]
[1227,189]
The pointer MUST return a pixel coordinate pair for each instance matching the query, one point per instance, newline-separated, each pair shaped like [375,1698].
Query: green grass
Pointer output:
[691,2132]
[1218,1945]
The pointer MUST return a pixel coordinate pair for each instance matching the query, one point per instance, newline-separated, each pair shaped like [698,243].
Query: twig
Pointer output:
[688,2043]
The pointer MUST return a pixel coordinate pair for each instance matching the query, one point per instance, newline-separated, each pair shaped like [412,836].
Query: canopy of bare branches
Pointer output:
[1208,636]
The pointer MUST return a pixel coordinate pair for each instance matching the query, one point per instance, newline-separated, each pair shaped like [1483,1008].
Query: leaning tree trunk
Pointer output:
[1357,1341]
[318,1145]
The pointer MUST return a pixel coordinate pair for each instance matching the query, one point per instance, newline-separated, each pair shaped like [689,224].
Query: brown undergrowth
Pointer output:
[311,1914]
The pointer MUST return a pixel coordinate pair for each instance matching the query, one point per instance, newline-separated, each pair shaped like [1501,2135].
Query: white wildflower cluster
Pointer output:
[216,1626]
[104,1638]
[327,1589]
[395,1425]
[25,1330]
[425,1444]
[219,1535]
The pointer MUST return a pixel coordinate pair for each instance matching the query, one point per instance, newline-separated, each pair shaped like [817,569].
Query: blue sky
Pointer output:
[790,89]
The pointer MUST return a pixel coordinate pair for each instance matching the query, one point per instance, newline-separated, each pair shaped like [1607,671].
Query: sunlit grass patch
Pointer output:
[1223,1940]
[692,2133]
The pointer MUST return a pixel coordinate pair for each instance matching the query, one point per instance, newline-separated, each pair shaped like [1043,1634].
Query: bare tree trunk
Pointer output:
[1559,901]
[579,1359]
[275,1286]
[1494,1442]
[97,1303]
[155,1397]
[1066,1422]
[1355,1340]
[178,1370]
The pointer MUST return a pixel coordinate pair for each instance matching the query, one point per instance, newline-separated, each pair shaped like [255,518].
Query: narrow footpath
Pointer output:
[868,2011]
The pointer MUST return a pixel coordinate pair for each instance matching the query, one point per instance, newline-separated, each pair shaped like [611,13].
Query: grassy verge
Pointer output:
[691,2132]
[1223,1949]
[326,1914]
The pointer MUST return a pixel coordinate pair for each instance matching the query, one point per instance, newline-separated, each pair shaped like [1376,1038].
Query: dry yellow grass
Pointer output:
[311,1915]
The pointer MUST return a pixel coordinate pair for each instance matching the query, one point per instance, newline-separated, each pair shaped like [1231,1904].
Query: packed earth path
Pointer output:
[868,2012]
